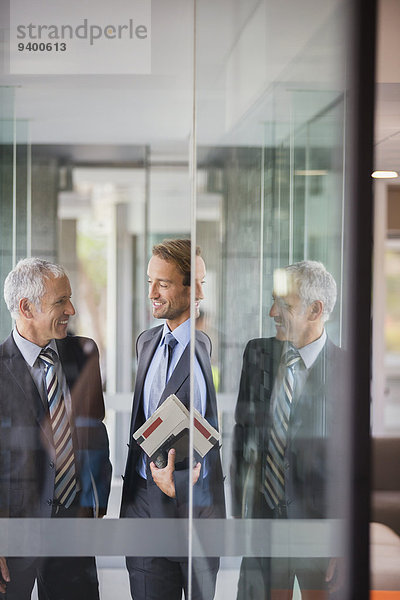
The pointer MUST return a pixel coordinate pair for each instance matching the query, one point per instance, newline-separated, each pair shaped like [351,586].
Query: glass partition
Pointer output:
[277,167]
[228,132]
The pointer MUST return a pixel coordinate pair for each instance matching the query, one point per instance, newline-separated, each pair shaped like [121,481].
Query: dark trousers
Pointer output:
[265,578]
[164,578]
[58,578]
[270,578]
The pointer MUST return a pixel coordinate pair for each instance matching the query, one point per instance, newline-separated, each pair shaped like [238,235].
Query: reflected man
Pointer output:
[53,443]
[288,392]
[163,492]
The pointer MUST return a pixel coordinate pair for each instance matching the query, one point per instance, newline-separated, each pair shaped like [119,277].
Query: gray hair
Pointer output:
[27,280]
[314,282]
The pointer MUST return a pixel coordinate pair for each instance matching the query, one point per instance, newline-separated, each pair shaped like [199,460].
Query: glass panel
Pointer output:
[385,523]
[276,168]
[228,134]
[7,174]
[106,178]
[16,191]
[391,422]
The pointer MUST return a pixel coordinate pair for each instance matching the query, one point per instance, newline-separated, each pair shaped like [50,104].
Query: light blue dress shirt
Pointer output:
[309,355]
[182,335]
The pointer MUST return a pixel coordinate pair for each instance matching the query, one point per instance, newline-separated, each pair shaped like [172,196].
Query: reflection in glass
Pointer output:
[288,393]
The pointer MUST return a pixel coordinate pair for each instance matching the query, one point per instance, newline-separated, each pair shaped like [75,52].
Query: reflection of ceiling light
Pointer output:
[281,283]
[385,174]
[313,172]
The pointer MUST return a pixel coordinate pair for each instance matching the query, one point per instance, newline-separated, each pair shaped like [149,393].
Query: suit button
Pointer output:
[49,502]
[51,465]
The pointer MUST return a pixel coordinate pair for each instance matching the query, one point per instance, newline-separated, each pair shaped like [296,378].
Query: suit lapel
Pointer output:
[16,366]
[311,403]
[144,359]
[204,361]
[70,367]
[179,375]
[203,357]
[276,358]
[182,371]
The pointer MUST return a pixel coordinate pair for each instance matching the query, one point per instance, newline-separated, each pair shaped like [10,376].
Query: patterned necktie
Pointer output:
[65,481]
[160,377]
[274,483]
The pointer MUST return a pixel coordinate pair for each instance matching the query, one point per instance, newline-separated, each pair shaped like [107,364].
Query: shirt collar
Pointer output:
[29,350]
[310,352]
[181,333]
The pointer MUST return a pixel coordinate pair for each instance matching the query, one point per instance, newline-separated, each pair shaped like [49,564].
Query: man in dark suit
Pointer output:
[163,492]
[289,392]
[54,454]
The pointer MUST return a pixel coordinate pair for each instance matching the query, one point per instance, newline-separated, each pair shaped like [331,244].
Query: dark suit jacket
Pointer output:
[27,453]
[309,468]
[208,493]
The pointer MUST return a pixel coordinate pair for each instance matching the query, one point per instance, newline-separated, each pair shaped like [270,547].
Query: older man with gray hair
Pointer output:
[289,390]
[54,455]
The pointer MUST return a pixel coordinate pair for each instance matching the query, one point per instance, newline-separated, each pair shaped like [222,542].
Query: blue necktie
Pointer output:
[160,377]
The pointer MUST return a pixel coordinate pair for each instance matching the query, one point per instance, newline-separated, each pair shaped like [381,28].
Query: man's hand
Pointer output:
[163,477]
[196,473]
[5,575]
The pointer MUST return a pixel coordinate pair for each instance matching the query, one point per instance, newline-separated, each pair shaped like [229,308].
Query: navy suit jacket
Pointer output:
[208,493]
[311,470]
[27,453]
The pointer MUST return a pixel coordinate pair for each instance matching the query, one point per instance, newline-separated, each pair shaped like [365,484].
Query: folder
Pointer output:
[168,427]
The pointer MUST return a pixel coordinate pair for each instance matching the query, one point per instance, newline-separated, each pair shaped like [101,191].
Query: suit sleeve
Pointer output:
[238,465]
[95,466]
[5,463]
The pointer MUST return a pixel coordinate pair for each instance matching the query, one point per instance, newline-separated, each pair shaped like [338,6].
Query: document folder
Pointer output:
[168,427]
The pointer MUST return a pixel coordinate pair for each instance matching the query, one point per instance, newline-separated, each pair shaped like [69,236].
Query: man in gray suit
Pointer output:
[289,397]
[163,492]
[53,443]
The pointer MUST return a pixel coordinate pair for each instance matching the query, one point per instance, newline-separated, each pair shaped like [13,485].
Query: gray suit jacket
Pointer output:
[208,492]
[27,455]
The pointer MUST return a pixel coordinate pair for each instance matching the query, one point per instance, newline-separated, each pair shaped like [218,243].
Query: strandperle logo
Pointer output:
[85,31]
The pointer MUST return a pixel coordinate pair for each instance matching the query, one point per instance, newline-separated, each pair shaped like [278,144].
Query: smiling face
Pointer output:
[170,299]
[295,322]
[49,322]
[290,318]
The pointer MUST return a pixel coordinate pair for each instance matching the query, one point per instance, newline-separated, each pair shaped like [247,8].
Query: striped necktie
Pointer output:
[65,481]
[274,482]
[160,377]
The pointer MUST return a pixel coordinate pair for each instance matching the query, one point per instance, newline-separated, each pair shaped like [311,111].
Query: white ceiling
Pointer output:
[243,49]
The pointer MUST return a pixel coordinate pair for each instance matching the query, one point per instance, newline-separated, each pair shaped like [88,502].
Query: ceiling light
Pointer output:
[385,174]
